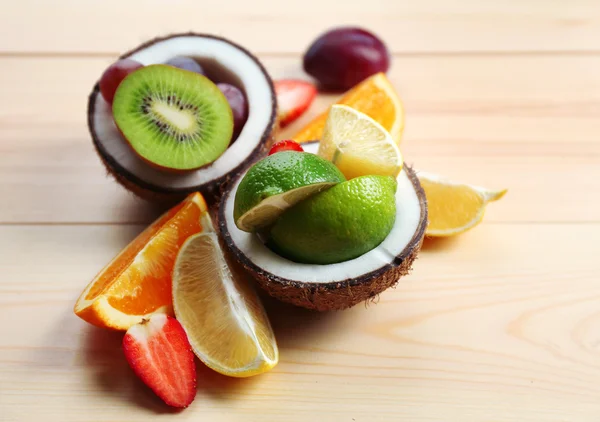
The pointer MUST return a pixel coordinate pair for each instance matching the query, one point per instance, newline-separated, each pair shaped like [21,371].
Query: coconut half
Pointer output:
[238,67]
[340,285]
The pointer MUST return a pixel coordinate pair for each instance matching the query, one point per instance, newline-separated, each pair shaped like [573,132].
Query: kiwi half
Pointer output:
[221,57]
[173,118]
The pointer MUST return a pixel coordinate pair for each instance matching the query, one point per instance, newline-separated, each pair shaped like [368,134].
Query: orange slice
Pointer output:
[375,97]
[137,282]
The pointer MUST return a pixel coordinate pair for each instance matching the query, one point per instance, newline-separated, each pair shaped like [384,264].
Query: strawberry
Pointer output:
[160,354]
[287,145]
[293,98]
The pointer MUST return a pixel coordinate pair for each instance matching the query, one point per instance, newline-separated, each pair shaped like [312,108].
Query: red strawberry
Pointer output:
[293,98]
[287,145]
[160,354]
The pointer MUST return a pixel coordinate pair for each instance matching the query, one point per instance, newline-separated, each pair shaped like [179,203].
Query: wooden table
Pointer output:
[500,324]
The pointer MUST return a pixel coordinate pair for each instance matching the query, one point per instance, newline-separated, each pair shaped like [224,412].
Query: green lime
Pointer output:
[339,224]
[277,182]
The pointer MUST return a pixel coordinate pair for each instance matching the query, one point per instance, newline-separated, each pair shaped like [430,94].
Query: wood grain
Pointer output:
[500,324]
[524,123]
[498,337]
[67,26]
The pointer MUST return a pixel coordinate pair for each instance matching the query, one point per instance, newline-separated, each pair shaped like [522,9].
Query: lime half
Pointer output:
[278,182]
[339,224]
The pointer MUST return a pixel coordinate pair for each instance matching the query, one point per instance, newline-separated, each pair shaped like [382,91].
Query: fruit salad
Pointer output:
[325,220]
[328,207]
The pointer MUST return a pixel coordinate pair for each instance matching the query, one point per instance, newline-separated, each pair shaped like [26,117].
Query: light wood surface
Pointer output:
[499,324]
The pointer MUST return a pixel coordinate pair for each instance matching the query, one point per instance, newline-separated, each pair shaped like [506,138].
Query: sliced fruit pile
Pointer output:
[305,208]
[176,293]
[343,239]
[360,134]
[177,118]
[176,267]
[208,112]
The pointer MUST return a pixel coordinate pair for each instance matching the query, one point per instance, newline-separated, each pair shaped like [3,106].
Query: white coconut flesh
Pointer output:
[408,216]
[261,107]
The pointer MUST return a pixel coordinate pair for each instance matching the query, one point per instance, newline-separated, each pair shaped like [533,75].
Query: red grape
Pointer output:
[287,145]
[343,57]
[112,77]
[239,106]
[186,63]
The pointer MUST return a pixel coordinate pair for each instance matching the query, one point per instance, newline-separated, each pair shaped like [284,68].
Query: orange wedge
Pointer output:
[375,97]
[137,282]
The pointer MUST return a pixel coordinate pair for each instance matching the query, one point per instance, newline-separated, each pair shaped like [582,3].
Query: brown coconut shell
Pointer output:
[336,295]
[211,190]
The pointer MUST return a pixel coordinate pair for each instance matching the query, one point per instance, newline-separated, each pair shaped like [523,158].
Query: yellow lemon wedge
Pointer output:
[454,207]
[358,145]
[222,315]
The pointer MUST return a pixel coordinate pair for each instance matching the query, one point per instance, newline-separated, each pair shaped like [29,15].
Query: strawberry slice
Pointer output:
[293,98]
[286,145]
[160,354]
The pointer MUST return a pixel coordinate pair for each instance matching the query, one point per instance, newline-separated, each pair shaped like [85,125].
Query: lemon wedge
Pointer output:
[454,207]
[222,315]
[358,145]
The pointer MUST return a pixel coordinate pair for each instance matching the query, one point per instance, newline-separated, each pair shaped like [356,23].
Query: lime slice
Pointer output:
[268,210]
[339,224]
[358,145]
[278,182]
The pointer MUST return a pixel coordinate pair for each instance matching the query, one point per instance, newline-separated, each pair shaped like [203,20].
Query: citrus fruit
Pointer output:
[358,145]
[338,224]
[376,97]
[137,282]
[226,324]
[454,207]
[276,183]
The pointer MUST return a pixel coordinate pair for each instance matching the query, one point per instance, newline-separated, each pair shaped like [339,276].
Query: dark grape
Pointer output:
[114,74]
[239,106]
[343,57]
[186,63]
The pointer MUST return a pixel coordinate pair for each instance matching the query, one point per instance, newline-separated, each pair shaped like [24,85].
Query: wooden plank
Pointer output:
[478,328]
[108,27]
[526,123]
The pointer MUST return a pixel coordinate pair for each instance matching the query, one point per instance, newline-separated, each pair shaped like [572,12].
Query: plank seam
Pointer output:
[270,54]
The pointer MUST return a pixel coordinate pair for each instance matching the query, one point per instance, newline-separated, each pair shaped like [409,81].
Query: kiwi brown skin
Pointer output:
[211,190]
[340,294]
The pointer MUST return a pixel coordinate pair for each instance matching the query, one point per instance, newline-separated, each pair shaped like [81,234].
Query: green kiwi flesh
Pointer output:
[173,118]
